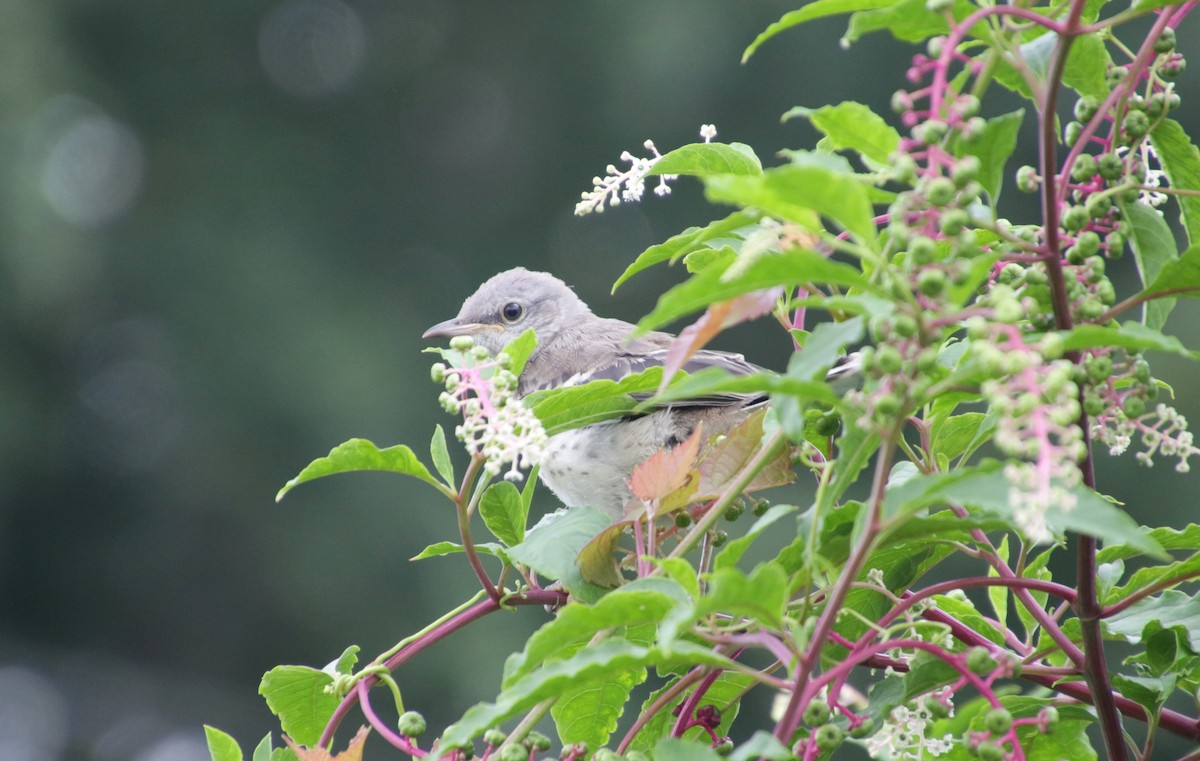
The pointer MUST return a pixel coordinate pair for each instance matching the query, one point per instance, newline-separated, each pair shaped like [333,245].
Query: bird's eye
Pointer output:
[512,311]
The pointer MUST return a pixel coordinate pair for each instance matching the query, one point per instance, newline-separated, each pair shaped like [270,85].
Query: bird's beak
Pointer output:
[454,327]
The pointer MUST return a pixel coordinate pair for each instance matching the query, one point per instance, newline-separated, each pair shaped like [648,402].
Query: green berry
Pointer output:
[1088,242]
[724,748]
[1129,195]
[1075,218]
[931,282]
[462,343]
[538,741]
[1173,68]
[865,728]
[683,519]
[605,754]
[966,106]
[1156,106]
[1115,76]
[1165,42]
[718,537]
[1093,405]
[937,709]
[1072,133]
[1135,124]
[1084,168]
[1141,371]
[998,721]
[1110,166]
[901,101]
[1049,716]
[1086,107]
[980,661]
[941,191]
[1133,406]
[494,737]
[1075,256]
[888,359]
[990,752]
[411,724]
[905,325]
[1116,244]
[922,249]
[829,736]
[931,131]
[1027,179]
[966,170]
[514,753]
[953,221]
[816,713]
[1098,205]
[734,511]
[887,405]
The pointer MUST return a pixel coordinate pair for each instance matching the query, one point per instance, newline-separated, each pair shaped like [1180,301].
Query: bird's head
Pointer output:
[510,303]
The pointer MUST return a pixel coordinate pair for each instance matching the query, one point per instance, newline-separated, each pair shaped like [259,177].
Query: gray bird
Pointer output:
[591,465]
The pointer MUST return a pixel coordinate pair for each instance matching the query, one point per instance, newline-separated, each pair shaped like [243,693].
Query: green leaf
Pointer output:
[690,240]
[794,191]
[1180,277]
[713,380]
[358,455]
[955,434]
[675,749]
[439,549]
[708,159]
[964,612]
[503,512]
[222,747]
[1150,692]
[551,547]
[1187,538]
[519,349]
[1153,248]
[1180,159]
[760,596]
[346,661]
[761,745]
[1169,610]
[555,677]
[810,11]
[587,711]
[786,268]
[852,125]
[1086,66]
[1130,335]
[562,409]
[441,457]
[992,147]
[296,694]
[642,601]
[986,487]
[998,596]
[909,21]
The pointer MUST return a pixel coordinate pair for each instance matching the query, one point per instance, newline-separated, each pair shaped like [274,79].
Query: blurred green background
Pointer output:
[225,226]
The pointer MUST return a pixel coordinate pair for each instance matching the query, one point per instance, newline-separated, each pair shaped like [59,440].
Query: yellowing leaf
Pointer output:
[353,751]
[666,471]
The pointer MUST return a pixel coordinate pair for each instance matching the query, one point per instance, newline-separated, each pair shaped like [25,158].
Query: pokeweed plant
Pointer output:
[998,354]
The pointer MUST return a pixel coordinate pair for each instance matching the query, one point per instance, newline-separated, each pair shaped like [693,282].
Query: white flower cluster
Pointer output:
[1163,431]
[1154,177]
[902,736]
[496,424]
[628,185]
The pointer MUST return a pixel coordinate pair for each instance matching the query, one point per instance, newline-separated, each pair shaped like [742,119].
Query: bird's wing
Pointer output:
[622,361]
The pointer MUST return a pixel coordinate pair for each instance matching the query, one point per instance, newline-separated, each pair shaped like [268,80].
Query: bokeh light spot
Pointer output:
[312,48]
[93,171]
